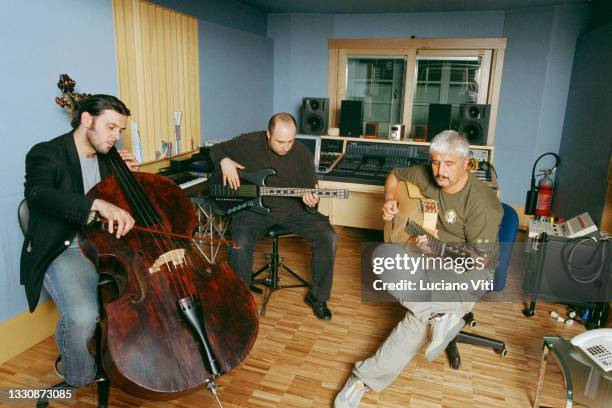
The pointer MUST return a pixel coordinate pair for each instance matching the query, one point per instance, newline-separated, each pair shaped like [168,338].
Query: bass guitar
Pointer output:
[253,188]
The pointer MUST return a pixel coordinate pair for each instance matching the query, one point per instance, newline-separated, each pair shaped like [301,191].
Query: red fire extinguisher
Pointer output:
[545,193]
[539,200]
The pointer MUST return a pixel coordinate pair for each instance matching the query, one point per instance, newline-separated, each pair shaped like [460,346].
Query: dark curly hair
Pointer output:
[95,104]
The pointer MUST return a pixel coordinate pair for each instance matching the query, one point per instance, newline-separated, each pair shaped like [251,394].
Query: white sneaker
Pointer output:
[444,329]
[350,395]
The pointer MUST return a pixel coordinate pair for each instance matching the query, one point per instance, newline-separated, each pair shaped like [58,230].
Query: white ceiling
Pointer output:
[396,6]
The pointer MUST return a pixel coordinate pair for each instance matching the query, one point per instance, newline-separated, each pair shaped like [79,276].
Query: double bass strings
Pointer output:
[124,177]
[182,276]
[184,287]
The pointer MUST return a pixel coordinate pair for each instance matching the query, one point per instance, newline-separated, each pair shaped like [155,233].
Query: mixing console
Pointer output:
[370,162]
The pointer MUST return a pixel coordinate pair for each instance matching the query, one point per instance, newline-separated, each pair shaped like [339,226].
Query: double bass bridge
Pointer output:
[174,257]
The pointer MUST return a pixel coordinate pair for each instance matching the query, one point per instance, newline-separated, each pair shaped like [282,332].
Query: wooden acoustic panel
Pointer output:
[158,62]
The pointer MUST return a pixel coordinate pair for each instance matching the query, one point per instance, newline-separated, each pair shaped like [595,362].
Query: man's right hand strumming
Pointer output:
[113,214]
[389,210]
[229,168]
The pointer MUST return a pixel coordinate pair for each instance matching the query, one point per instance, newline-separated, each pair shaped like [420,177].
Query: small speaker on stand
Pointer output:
[314,116]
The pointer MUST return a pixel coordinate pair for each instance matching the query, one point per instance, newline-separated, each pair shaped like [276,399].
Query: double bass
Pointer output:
[174,322]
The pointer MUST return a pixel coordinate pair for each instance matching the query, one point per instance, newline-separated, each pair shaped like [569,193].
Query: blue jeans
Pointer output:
[72,282]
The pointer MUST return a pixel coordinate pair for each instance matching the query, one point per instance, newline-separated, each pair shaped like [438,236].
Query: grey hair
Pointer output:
[450,141]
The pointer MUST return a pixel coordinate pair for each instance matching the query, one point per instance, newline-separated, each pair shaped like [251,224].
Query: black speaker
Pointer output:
[351,118]
[313,116]
[439,119]
[474,122]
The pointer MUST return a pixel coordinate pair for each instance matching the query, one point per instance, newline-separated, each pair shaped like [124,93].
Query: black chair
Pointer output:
[23,216]
[275,263]
[507,235]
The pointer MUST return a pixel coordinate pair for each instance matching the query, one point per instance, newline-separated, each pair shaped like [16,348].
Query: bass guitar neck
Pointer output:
[253,188]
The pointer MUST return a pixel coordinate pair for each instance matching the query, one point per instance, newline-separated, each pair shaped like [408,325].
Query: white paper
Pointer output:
[136,144]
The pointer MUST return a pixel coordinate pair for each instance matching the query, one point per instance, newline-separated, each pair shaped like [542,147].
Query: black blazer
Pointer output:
[58,207]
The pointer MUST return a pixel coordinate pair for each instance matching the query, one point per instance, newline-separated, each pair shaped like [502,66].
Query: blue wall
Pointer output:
[39,41]
[236,70]
[535,80]
[535,85]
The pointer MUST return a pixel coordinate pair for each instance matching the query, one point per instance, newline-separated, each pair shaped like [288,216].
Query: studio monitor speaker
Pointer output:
[439,119]
[351,118]
[474,122]
[313,116]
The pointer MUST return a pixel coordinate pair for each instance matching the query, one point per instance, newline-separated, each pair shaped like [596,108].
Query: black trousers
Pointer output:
[247,228]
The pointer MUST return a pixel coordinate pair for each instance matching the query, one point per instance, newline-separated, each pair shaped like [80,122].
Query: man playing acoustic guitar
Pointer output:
[276,149]
[469,212]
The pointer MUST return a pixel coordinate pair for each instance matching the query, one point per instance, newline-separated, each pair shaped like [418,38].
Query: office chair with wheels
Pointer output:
[23,216]
[274,265]
[507,235]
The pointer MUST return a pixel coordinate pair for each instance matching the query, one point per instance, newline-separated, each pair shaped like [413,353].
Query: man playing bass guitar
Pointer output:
[58,174]
[294,165]
[469,212]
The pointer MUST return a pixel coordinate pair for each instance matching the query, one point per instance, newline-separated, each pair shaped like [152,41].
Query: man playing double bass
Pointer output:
[58,174]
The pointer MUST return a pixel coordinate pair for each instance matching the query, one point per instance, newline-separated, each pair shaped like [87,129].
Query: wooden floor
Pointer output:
[299,361]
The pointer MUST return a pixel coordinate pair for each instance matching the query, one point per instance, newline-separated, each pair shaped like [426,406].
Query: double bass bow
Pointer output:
[175,321]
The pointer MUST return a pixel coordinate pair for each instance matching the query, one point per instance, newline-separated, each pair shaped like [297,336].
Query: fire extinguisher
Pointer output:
[539,200]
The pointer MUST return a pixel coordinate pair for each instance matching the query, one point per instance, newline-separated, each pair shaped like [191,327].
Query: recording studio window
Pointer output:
[398,80]
[447,80]
[379,83]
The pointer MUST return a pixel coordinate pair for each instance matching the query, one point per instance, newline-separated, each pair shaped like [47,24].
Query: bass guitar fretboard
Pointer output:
[299,192]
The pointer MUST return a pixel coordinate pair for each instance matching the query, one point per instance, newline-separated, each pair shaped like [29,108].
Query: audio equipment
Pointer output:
[474,122]
[371,130]
[396,132]
[439,119]
[351,118]
[572,270]
[313,116]
[420,133]
[313,144]
[367,162]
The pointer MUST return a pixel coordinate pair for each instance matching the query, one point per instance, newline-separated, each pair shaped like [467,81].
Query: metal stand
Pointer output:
[102,382]
[270,282]
[210,225]
[535,265]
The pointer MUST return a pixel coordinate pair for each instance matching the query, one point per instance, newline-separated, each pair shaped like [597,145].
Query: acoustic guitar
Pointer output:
[417,216]
[252,190]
